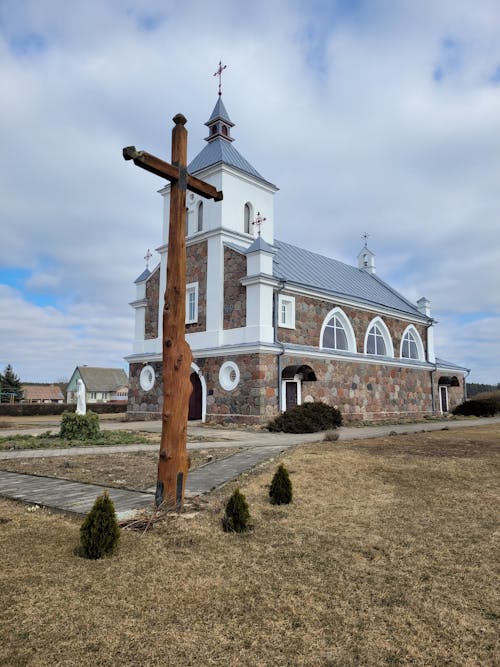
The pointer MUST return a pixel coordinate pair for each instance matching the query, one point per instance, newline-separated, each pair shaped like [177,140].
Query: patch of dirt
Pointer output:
[136,470]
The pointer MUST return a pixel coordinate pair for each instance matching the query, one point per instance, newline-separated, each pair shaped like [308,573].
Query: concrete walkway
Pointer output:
[258,446]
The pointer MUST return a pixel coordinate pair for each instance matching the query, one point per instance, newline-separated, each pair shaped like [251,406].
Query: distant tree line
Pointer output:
[474,388]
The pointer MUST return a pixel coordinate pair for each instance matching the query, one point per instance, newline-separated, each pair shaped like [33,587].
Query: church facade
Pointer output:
[272,325]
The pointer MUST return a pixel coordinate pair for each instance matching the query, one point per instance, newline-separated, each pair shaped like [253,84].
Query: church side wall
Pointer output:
[310,314]
[235,301]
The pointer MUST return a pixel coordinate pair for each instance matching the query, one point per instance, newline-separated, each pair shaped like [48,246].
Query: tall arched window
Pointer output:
[199,226]
[337,332]
[378,340]
[247,219]
[411,345]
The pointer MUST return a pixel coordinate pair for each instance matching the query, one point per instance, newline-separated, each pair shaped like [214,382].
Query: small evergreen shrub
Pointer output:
[79,427]
[280,491]
[237,515]
[99,532]
[487,406]
[307,418]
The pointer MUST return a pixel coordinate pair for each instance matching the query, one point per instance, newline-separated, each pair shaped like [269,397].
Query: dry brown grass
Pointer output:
[387,556]
[134,470]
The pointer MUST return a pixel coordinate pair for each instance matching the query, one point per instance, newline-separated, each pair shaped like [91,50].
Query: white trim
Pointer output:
[440,387]
[389,347]
[296,380]
[192,288]
[349,331]
[225,371]
[196,369]
[418,340]
[289,314]
[147,378]
[334,298]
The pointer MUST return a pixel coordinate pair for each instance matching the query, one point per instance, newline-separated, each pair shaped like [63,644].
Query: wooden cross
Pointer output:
[173,460]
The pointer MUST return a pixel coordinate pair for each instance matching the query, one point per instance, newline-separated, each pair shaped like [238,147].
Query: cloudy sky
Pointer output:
[370,116]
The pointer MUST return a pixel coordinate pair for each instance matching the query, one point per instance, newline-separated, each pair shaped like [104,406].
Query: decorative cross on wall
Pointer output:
[218,73]
[259,221]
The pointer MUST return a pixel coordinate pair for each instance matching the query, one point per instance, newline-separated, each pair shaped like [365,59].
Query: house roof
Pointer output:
[143,277]
[37,392]
[102,379]
[449,365]
[309,269]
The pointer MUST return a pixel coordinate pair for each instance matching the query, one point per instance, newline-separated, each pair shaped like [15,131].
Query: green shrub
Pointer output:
[237,515]
[307,418]
[481,406]
[99,533]
[79,427]
[280,490]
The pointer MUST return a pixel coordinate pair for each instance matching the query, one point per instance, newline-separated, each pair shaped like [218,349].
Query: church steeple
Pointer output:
[219,123]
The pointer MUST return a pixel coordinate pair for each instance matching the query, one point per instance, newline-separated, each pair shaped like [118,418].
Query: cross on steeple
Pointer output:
[218,73]
[147,257]
[365,236]
[259,221]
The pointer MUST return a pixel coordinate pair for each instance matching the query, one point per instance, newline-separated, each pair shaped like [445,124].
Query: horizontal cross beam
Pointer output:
[171,173]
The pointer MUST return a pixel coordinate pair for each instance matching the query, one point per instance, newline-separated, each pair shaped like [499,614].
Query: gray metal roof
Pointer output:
[260,244]
[103,379]
[219,151]
[220,112]
[449,365]
[144,276]
[309,269]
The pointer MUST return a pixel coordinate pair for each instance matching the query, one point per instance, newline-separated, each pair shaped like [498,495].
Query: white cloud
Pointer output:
[338,106]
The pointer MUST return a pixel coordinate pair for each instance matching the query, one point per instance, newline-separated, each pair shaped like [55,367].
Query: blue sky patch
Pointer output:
[28,45]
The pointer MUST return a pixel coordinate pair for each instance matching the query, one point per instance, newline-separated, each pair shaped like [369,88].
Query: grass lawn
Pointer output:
[50,441]
[387,556]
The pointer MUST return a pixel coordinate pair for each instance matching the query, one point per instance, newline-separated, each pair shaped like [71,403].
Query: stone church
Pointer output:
[272,325]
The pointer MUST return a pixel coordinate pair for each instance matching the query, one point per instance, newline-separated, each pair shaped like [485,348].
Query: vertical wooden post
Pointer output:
[177,357]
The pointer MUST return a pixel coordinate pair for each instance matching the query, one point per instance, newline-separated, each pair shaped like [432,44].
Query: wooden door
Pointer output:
[196,398]
[291,394]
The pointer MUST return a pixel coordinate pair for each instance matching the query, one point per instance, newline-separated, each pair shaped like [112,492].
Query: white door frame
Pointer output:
[298,381]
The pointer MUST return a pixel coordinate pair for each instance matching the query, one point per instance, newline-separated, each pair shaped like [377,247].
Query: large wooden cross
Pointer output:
[177,357]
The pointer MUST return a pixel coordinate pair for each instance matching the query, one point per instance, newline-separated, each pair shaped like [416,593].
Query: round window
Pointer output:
[229,375]
[147,378]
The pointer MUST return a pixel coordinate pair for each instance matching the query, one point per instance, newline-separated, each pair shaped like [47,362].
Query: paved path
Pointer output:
[259,446]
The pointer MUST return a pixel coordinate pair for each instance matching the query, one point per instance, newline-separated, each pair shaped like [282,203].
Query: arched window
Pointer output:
[247,218]
[378,340]
[337,332]
[224,130]
[411,345]
[200,217]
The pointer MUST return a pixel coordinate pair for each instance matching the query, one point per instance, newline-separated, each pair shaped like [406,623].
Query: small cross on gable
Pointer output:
[147,257]
[258,222]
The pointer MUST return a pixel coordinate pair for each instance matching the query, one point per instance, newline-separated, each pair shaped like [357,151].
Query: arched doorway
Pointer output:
[196,398]
[292,378]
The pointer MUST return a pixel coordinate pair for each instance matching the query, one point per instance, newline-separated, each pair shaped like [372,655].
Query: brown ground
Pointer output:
[136,470]
[388,555]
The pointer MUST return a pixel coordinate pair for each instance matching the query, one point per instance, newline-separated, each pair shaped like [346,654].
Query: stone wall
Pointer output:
[152,296]
[142,402]
[310,314]
[235,295]
[196,262]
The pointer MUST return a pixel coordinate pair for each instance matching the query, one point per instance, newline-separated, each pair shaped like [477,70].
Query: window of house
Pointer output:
[199,225]
[247,219]
[286,311]
[378,339]
[334,335]
[375,343]
[337,332]
[191,303]
[411,345]
[93,394]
